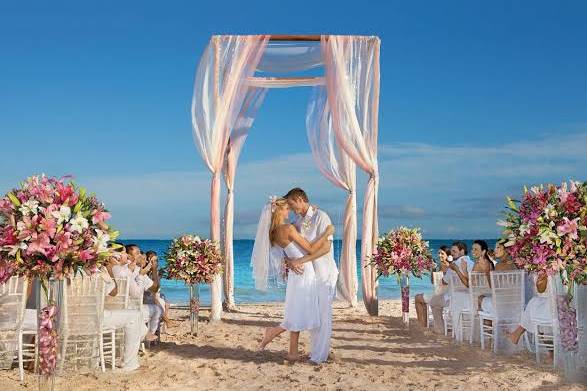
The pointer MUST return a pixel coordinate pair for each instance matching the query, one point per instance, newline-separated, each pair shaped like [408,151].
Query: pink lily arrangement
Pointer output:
[193,260]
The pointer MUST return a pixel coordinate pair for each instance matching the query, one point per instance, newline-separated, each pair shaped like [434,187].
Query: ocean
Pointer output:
[244,287]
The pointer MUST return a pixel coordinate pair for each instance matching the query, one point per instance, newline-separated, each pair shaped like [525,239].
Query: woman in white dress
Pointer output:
[301,297]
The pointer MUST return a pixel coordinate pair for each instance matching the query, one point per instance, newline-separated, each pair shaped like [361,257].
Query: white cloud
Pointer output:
[448,190]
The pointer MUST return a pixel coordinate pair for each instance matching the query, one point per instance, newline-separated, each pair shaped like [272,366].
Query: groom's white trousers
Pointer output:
[320,337]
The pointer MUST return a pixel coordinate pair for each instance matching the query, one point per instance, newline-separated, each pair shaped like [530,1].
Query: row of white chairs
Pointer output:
[81,328]
[508,298]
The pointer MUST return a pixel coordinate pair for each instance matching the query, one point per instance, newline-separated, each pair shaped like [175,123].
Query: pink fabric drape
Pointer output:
[219,92]
[238,137]
[339,169]
[352,80]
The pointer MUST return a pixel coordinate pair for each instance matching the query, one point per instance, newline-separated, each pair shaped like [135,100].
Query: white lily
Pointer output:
[29,207]
[79,223]
[62,215]
[101,240]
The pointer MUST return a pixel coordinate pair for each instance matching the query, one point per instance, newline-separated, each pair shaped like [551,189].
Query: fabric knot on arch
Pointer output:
[341,122]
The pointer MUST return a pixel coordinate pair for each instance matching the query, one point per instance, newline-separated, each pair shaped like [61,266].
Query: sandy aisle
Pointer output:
[370,353]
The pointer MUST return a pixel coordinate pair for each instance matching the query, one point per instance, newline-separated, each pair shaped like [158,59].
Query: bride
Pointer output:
[277,238]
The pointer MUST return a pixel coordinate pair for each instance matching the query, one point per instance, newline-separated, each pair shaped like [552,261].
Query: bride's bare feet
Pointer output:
[266,339]
[292,358]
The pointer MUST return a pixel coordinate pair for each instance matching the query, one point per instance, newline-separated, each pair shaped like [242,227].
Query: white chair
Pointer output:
[81,325]
[13,297]
[136,303]
[478,285]
[437,284]
[507,298]
[459,295]
[115,337]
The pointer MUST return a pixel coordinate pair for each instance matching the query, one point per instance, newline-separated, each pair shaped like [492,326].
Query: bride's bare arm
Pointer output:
[323,250]
[314,246]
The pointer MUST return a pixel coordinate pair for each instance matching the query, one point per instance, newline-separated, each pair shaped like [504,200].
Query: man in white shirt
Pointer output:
[131,320]
[138,284]
[458,251]
[311,223]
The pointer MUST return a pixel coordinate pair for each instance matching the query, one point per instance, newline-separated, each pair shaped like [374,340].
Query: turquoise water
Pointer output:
[244,289]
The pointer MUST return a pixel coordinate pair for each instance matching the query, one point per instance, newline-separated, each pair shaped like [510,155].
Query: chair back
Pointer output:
[13,297]
[437,281]
[507,294]
[83,305]
[121,300]
[478,285]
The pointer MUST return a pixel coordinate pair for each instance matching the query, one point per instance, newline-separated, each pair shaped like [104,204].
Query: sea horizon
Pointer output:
[176,292]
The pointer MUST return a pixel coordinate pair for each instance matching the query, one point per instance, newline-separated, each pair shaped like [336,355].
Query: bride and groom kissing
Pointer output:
[305,247]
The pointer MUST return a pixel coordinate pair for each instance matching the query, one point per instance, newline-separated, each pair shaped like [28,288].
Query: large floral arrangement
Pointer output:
[193,260]
[546,231]
[402,251]
[49,227]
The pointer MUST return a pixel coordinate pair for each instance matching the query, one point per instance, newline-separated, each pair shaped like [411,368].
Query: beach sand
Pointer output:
[370,353]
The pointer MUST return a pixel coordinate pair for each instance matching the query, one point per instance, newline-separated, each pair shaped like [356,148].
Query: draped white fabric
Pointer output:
[287,57]
[219,93]
[238,137]
[339,169]
[352,80]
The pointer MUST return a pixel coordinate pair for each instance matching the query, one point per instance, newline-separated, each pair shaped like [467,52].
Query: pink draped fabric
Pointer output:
[339,169]
[238,137]
[352,80]
[219,93]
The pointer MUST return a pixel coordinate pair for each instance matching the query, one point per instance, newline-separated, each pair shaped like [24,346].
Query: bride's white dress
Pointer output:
[301,296]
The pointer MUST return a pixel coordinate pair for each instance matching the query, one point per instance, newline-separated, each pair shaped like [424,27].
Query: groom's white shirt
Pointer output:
[311,226]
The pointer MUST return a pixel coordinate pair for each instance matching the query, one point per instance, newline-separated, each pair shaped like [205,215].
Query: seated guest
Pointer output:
[505,264]
[138,284]
[131,320]
[155,296]
[462,262]
[439,296]
[537,308]
[482,264]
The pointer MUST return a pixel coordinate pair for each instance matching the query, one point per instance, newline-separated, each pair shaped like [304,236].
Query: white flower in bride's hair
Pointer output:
[273,201]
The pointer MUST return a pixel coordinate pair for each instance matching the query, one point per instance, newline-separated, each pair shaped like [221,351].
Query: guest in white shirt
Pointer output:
[138,284]
[458,252]
[131,320]
[422,300]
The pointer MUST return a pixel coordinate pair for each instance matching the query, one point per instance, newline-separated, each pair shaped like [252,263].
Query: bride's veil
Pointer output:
[266,260]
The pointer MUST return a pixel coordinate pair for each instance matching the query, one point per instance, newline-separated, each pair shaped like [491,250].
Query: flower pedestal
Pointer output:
[194,307]
[48,315]
[404,282]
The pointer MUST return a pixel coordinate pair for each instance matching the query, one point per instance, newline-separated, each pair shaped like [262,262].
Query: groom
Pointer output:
[312,222]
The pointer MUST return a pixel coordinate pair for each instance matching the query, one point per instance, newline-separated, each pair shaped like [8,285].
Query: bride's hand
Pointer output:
[295,265]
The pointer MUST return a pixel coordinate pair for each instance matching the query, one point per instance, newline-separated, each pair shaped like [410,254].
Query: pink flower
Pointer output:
[39,244]
[86,255]
[569,227]
[49,225]
[100,216]
[8,237]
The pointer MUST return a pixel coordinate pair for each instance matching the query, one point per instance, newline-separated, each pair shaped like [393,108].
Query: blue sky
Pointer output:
[477,99]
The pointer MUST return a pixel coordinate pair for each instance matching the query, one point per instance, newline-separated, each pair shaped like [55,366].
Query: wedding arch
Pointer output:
[231,81]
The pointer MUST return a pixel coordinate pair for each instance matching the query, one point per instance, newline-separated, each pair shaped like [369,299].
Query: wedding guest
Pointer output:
[462,262]
[461,300]
[154,295]
[537,308]
[505,264]
[439,297]
[138,284]
[131,320]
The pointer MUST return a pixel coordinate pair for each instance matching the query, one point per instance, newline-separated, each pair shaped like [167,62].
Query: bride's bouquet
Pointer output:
[50,228]
[193,260]
[546,231]
[402,251]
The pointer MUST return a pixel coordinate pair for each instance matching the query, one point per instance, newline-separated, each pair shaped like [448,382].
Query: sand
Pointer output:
[370,353]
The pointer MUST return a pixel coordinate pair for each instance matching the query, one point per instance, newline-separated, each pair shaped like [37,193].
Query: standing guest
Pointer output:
[439,297]
[462,262]
[138,284]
